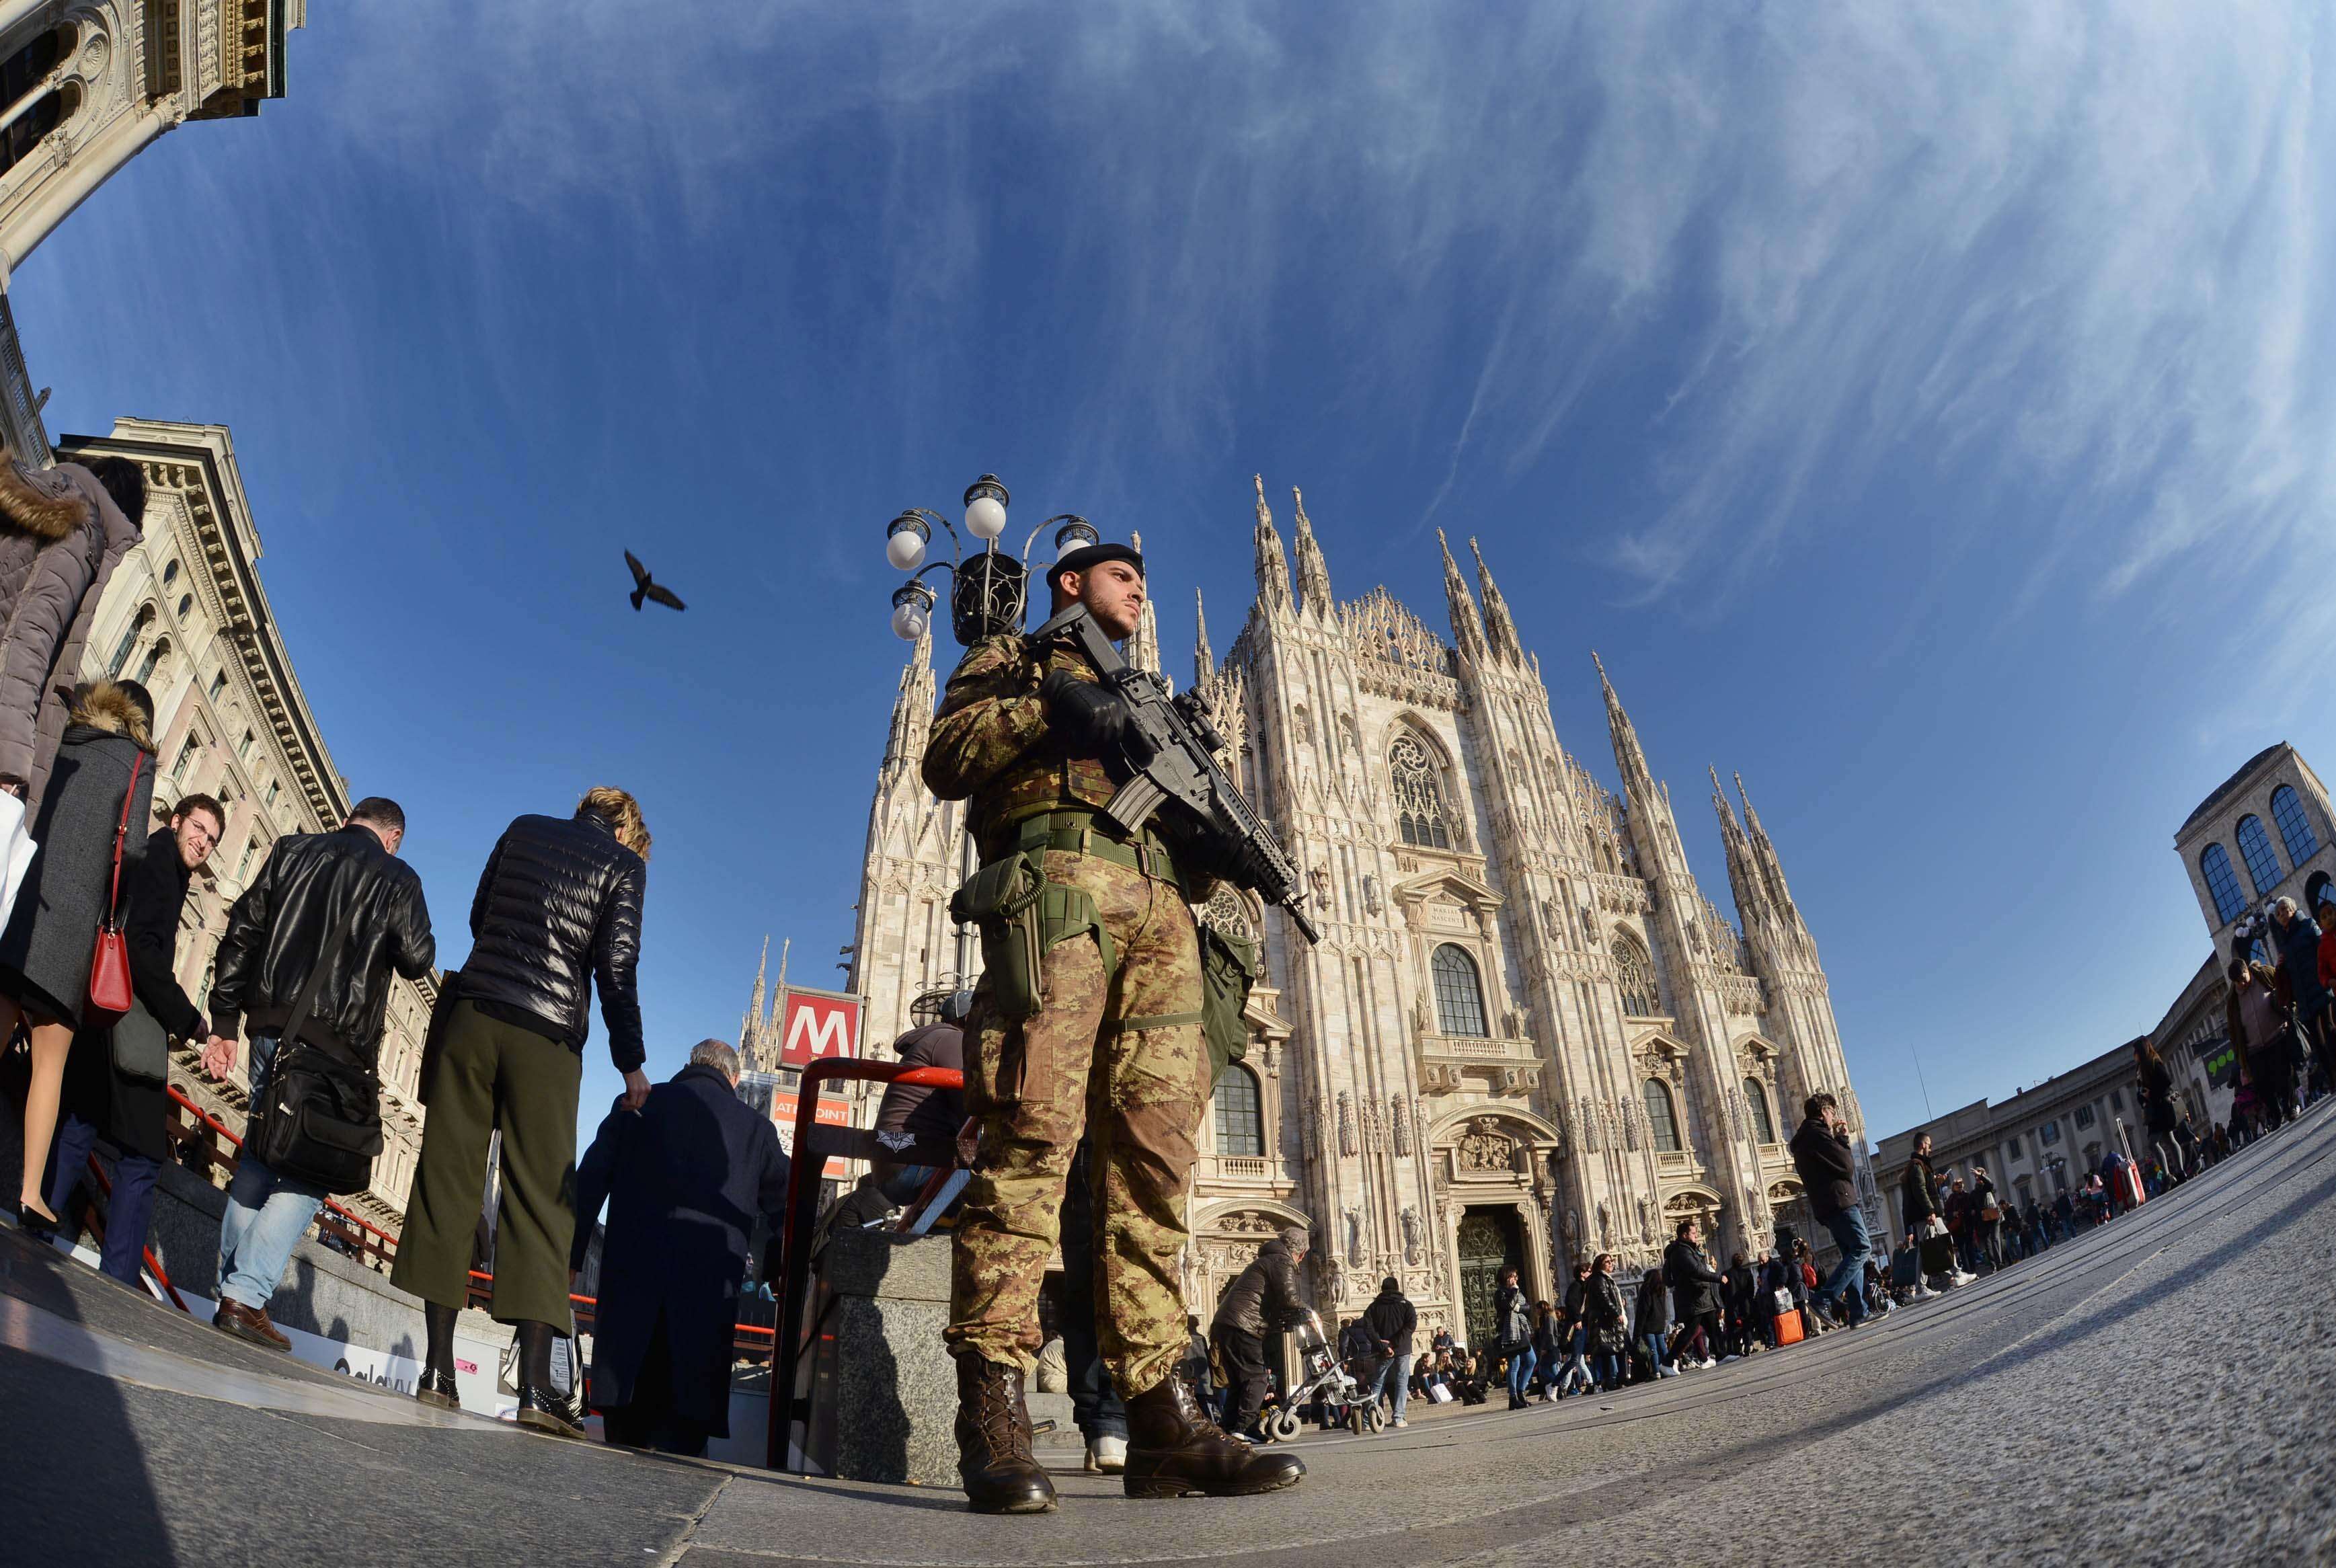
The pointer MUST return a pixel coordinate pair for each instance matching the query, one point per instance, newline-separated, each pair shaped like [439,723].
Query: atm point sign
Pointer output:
[817,1026]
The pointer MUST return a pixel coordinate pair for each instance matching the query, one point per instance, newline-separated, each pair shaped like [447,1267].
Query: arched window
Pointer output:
[1635,972]
[1241,1121]
[186,603]
[1418,797]
[1764,1126]
[1459,998]
[171,572]
[22,72]
[218,684]
[153,659]
[122,650]
[1661,1120]
[2214,865]
[2262,866]
[2294,827]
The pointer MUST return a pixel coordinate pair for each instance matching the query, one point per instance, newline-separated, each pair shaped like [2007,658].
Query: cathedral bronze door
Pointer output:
[1491,1240]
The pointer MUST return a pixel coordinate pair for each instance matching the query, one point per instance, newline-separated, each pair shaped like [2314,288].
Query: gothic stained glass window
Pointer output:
[1418,797]
[1661,1120]
[2262,866]
[2214,864]
[1635,972]
[1459,999]
[1763,1125]
[1240,1123]
[2294,827]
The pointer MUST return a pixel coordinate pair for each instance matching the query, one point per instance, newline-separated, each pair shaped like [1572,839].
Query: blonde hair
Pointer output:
[621,812]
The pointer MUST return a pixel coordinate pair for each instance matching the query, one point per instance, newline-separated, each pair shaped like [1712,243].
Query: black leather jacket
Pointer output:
[559,907]
[281,923]
[1264,1296]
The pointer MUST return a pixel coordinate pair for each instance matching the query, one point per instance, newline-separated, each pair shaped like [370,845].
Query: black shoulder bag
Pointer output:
[320,1120]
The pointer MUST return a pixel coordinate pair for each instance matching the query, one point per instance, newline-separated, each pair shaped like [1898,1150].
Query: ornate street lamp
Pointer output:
[987,594]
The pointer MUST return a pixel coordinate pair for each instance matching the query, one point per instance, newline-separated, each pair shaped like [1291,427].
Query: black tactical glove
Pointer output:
[1084,709]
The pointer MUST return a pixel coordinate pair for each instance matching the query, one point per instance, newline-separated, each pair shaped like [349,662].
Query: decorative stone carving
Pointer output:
[1486,1149]
[1412,1242]
[1372,902]
[1647,1221]
[1605,1230]
[1347,1124]
[1399,1118]
[1353,1235]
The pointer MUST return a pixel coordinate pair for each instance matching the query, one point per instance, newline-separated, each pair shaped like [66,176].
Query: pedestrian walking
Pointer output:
[1512,1322]
[1695,1295]
[2297,937]
[557,912]
[1262,1300]
[1575,1373]
[1986,1219]
[1652,1323]
[1392,1320]
[1828,1173]
[2258,1025]
[304,966]
[94,812]
[1608,1324]
[115,1090]
[685,1178]
[1549,1349]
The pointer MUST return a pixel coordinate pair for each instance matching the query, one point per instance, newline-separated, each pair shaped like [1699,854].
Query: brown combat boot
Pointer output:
[1173,1450]
[993,1441]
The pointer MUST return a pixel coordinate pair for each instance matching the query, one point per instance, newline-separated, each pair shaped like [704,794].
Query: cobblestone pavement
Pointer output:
[2151,1393]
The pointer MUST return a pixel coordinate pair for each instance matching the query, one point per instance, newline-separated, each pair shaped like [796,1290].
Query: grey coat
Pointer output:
[61,537]
[44,953]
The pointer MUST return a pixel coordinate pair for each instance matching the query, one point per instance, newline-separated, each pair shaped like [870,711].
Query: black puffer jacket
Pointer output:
[1827,1172]
[277,928]
[1264,1296]
[1694,1283]
[558,908]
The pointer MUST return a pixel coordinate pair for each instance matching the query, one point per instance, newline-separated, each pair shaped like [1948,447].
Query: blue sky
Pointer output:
[1924,412]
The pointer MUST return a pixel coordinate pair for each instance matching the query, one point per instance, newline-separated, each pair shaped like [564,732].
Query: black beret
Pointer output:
[1089,557]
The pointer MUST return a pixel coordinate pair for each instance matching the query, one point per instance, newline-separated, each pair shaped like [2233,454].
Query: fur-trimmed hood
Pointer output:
[104,704]
[46,505]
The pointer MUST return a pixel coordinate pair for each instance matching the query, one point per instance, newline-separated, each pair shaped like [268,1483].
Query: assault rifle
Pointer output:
[1170,757]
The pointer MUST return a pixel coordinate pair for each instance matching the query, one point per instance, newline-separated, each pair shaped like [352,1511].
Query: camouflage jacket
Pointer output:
[992,746]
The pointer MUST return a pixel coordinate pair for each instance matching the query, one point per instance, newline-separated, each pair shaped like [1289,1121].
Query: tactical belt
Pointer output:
[1080,834]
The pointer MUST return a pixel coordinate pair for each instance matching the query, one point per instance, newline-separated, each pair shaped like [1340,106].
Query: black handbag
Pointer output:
[142,1047]
[320,1119]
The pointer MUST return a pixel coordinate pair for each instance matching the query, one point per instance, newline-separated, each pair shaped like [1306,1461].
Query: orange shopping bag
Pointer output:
[1788,1328]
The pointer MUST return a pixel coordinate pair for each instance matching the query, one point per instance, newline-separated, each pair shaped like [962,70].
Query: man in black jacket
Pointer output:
[1392,1320]
[1262,1300]
[1829,1176]
[685,1178]
[340,909]
[558,910]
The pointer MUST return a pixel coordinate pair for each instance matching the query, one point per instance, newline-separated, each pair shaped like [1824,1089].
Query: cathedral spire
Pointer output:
[1465,629]
[751,1024]
[912,712]
[1313,571]
[1273,566]
[1628,754]
[1500,628]
[1764,855]
[1743,875]
[1144,642]
[1204,660]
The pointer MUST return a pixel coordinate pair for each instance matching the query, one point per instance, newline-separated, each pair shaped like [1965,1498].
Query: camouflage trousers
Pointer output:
[1115,1051]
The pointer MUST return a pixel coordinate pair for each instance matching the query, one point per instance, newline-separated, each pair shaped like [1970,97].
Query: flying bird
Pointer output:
[644,588]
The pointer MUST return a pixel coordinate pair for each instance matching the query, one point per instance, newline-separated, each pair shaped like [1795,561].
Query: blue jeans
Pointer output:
[1658,1348]
[1848,1229]
[266,1214]
[127,1213]
[1608,1366]
[1521,1371]
[1398,1368]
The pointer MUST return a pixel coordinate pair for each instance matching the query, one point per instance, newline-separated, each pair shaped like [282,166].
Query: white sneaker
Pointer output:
[1399,1421]
[1107,1454]
[1961,1278]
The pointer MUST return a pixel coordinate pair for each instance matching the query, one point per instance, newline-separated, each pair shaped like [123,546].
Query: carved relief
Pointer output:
[1347,1124]
[1399,1117]
[1484,1149]
[1412,1242]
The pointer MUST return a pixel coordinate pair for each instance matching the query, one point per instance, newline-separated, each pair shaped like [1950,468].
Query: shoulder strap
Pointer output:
[121,831]
[303,1004]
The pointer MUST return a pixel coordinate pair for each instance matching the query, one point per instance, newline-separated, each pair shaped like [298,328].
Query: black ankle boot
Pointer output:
[436,1385]
[1174,1450]
[541,1406]
[993,1441]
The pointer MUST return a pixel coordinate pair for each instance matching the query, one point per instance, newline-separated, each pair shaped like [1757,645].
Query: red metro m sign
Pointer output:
[817,1025]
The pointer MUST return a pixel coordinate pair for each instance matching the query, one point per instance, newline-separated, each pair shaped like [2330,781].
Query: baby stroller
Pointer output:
[1306,1369]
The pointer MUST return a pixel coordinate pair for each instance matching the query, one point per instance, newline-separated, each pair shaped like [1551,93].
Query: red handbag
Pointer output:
[108,966]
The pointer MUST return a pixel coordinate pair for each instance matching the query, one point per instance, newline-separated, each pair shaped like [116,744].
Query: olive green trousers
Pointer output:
[495,1075]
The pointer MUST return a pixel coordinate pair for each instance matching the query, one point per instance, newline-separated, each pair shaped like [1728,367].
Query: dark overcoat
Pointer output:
[44,953]
[685,1178]
[128,1113]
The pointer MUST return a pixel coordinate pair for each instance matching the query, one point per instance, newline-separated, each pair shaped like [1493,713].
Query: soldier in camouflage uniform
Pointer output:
[1114,1048]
